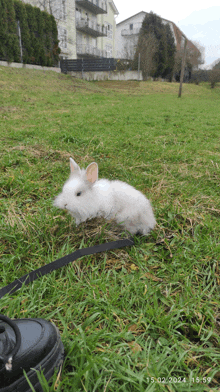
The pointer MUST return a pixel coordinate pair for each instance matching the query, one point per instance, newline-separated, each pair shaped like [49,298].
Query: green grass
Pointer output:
[132,318]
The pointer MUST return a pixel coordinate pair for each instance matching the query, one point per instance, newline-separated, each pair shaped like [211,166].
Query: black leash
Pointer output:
[46,269]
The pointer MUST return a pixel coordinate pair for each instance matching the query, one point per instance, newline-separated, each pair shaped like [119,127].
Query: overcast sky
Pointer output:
[199,20]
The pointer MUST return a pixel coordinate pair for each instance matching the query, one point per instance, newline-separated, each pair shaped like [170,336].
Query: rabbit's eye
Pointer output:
[78,194]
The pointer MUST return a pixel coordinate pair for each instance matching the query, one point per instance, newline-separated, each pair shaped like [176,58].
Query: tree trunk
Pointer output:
[182,69]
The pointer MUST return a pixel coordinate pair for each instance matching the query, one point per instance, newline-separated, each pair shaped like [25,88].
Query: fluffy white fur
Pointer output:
[86,197]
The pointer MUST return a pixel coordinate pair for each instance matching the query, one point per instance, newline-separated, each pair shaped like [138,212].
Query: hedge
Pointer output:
[39,34]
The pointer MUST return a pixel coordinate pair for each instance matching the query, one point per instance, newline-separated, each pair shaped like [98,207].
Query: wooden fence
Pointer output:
[88,65]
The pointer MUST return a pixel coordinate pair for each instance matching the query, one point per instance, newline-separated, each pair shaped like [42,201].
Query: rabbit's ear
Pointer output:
[92,172]
[73,165]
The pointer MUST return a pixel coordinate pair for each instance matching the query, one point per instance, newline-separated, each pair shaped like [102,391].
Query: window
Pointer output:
[108,49]
[103,5]
[109,31]
[65,39]
[78,13]
[94,42]
[79,38]
[64,9]
[58,8]
[131,26]
[62,36]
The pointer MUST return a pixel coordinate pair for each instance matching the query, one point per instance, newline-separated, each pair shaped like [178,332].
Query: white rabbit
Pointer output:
[86,197]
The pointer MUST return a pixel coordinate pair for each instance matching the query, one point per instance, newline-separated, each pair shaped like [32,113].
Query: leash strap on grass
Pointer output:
[46,269]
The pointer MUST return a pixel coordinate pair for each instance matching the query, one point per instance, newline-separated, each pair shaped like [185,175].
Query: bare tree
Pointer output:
[192,61]
[200,57]
[57,8]
[129,48]
[53,7]
[182,68]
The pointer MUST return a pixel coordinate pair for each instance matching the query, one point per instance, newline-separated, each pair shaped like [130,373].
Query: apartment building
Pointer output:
[86,28]
[95,28]
[127,33]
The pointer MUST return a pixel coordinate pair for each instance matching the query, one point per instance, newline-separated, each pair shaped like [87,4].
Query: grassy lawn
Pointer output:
[142,318]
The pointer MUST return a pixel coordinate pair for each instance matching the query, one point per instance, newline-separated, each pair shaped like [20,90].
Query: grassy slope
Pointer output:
[133,318]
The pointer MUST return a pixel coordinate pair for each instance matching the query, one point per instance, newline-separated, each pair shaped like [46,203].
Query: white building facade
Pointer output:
[86,28]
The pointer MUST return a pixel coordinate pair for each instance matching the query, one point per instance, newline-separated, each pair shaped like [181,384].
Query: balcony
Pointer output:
[89,51]
[91,28]
[128,32]
[95,6]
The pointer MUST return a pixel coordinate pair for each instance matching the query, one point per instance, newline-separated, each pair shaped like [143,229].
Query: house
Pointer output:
[86,28]
[127,33]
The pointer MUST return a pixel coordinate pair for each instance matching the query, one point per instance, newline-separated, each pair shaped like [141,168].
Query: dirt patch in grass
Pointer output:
[119,84]
[130,87]
[8,109]
[39,151]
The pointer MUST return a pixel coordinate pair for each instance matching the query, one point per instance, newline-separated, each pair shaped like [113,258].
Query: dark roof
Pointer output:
[131,17]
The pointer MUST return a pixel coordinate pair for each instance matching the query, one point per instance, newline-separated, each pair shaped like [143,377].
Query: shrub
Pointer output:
[38,34]
[198,76]
[9,42]
[214,77]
